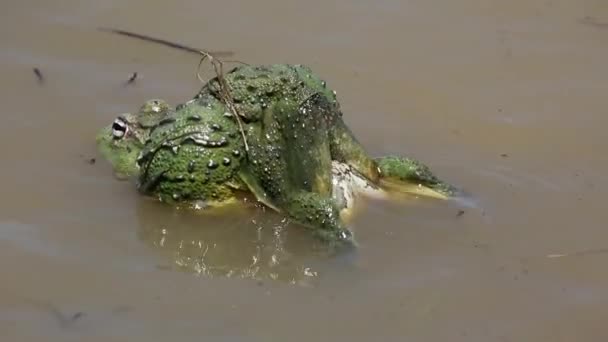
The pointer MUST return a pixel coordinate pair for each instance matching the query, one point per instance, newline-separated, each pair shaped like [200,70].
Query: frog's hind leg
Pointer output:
[346,149]
[306,148]
[395,174]
[407,175]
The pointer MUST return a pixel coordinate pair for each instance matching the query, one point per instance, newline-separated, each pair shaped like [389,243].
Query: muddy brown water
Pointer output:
[506,99]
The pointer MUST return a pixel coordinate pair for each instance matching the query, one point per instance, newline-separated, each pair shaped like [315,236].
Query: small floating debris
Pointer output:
[132,78]
[88,160]
[594,22]
[580,253]
[39,76]
[77,316]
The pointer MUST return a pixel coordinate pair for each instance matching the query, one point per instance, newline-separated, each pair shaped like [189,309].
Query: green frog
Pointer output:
[289,147]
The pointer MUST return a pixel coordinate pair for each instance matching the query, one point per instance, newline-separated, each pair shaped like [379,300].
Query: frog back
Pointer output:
[255,88]
[193,154]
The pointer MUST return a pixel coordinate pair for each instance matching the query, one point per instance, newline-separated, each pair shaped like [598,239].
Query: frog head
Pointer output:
[121,142]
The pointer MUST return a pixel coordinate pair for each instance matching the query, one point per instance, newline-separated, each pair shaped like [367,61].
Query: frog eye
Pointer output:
[119,128]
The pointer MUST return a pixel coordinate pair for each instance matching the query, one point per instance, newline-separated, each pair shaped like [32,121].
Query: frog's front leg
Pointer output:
[408,175]
[320,214]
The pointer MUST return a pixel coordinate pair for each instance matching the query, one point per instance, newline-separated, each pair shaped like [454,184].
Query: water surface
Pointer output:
[506,99]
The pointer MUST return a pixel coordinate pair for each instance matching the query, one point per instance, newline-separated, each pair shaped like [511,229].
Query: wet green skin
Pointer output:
[294,129]
[193,154]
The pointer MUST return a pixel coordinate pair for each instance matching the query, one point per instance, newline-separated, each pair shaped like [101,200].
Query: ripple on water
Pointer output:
[246,243]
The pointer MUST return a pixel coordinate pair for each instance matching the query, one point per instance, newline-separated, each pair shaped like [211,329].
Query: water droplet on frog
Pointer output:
[175,149]
[236,153]
[191,166]
[226,161]
[324,84]
[180,178]
[228,115]
[175,196]
[212,164]
[216,127]
[194,117]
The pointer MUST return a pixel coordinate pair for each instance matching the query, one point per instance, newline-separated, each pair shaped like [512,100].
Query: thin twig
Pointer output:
[164,42]
[217,64]
[224,90]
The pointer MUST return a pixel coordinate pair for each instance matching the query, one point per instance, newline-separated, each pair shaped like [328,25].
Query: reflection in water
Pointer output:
[246,242]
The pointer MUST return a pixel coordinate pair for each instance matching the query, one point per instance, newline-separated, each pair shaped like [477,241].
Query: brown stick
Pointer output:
[217,64]
[164,42]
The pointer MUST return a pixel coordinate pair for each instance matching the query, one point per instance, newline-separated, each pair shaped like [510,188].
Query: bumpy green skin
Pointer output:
[281,92]
[293,127]
[193,154]
[413,171]
[292,121]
